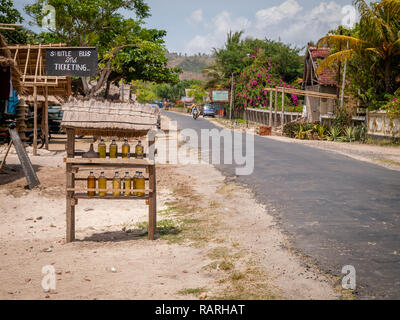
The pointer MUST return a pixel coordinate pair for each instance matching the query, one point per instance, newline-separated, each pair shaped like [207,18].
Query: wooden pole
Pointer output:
[70,209]
[35,120]
[231,102]
[3,163]
[46,117]
[276,109]
[270,108]
[152,186]
[283,108]
[344,80]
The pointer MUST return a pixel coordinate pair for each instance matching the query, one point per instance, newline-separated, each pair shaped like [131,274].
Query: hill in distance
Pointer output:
[191,65]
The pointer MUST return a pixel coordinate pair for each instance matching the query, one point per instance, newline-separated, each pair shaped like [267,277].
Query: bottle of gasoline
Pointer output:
[113,149]
[102,149]
[126,150]
[140,184]
[102,182]
[116,185]
[126,184]
[91,184]
[139,150]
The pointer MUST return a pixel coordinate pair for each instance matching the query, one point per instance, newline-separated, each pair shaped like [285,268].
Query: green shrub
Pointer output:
[350,134]
[291,129]
[334,133]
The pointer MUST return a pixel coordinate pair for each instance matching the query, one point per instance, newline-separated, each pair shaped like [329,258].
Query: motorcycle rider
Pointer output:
[195,112]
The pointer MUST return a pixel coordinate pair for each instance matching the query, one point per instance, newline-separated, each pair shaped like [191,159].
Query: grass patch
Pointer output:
[384,142]
[390,162]
[250,284]
[237,275]
[219,253]
[226,266]
[164,227]
[192,292]
[226,190]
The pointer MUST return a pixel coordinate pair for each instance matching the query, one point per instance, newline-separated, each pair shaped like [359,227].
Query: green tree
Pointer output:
[174,92]
[126,50]
[238,54]
[198,93]
[375,42]
[8,14]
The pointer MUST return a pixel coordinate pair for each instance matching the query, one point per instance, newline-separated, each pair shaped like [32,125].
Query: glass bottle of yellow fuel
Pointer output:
[91,184]
[102,183]
[113,149]
[140,184]
[102,149]
[139,150]
[116,185]
[126,184]
[126,150]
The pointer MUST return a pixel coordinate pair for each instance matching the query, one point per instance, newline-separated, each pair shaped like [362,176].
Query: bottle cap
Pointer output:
[126,173]
[91,172]
[102,173]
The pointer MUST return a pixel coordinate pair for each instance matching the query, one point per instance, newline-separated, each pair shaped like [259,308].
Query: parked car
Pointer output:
[55,118]
[208,111]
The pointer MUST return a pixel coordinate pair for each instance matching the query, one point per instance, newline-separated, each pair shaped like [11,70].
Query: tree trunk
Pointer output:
[107,90]
[85,85]
[388,76]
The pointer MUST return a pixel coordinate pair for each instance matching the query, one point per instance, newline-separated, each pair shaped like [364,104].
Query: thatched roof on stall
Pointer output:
[6,60]
[109,119]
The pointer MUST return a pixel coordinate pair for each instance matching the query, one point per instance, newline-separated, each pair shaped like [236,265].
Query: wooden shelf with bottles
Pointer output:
[74,162]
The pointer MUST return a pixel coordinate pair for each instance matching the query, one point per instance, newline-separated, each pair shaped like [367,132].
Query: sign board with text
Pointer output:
[71,62]
[220,95]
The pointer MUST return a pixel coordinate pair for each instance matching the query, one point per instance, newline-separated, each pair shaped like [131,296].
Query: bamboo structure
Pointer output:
[108,120]
[30,60]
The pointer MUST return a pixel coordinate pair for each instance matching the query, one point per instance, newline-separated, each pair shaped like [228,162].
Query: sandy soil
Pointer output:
[108,263]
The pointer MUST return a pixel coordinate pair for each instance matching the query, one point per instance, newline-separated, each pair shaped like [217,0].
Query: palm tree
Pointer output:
[378,38]
[214,75]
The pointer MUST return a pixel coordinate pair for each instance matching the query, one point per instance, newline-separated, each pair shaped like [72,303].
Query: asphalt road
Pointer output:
[336,210]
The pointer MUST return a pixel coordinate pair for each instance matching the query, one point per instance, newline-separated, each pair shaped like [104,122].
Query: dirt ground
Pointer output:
[215,241]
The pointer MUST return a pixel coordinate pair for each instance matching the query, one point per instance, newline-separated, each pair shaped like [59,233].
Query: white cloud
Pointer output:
[196,16]
[217,28]
[288,21]
[274,15]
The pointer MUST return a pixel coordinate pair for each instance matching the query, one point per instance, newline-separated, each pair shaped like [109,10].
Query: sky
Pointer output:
[199,26]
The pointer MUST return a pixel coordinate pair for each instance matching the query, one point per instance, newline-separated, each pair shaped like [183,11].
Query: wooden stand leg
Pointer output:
[152,203]
[70,220]
[70,209]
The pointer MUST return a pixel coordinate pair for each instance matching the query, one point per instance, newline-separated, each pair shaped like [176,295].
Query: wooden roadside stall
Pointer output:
[106,119]
[31,62]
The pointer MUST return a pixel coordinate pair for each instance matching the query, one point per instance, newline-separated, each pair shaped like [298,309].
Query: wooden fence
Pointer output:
[263,116]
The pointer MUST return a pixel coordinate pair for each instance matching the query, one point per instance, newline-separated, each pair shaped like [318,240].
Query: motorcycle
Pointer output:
[5,137]
[195,115]
[40,138]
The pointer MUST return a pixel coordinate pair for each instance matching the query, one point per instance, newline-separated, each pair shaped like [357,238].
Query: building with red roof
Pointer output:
[324,82]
